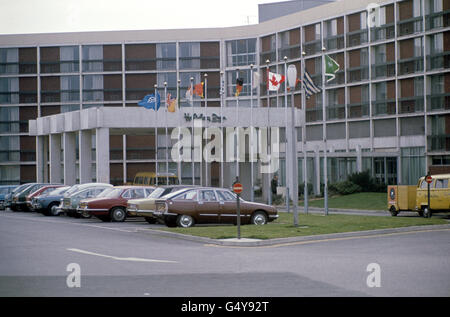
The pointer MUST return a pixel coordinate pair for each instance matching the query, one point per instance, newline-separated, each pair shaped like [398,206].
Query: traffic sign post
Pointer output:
[237,189]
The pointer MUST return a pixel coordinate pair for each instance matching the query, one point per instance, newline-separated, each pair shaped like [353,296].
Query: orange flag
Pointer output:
[198,89]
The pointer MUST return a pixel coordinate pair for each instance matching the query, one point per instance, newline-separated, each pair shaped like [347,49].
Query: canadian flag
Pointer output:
[274,81]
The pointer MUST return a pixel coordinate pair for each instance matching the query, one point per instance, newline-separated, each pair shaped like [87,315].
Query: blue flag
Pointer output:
[150,102]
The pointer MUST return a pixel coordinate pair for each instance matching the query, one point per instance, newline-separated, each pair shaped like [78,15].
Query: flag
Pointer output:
[309,86]
[171,103]
[239,84]
[331,67]
[297,80]
[150,102]
[255,80]
[274,81]
[198,89]
[189,95]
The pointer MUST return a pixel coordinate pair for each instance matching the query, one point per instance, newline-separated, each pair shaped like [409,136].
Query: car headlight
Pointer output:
[132,206]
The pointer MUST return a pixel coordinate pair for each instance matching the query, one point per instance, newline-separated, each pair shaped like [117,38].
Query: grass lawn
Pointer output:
[311,224]
[363,201]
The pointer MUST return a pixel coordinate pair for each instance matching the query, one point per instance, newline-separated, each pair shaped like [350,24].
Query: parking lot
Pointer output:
[122,259]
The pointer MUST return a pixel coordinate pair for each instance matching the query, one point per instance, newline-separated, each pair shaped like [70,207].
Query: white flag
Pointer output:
[255,80]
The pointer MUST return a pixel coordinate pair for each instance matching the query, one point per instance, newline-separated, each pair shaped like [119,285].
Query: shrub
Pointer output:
[301,189]
[344,188]
[278,200]
[363,179]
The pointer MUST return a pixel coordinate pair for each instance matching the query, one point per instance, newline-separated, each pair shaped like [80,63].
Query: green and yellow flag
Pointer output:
[331,68]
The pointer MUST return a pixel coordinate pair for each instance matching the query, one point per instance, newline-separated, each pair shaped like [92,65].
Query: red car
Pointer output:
[41,191]
[111,205]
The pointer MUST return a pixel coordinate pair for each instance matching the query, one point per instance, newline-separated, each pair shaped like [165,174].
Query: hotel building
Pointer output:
[69,113]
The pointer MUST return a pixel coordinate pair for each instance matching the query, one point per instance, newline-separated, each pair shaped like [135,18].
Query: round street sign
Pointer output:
[428,179]
[237,188]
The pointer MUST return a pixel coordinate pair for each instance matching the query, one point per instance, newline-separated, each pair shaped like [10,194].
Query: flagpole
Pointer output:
[268,116]
[192,134]
[222,91]
[237,126]
[180,179]
[156,134]
[325,167]
[206,128]
[305,155]
[252,192]
[287,170]
[167,149]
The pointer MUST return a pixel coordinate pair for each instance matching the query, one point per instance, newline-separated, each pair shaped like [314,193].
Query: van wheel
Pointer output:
[427,212]
[150,220]
[393,211]
[420,212]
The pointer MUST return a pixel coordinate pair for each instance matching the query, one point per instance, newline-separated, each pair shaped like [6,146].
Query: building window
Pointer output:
[241,52]
[9,90]
[9,148]
[9,120]
[9,61]
[166,56]
[413,164]
[93,58]
[190,55]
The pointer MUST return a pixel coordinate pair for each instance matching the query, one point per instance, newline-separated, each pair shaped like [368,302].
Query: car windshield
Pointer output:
[156,193]
[175,193]
[111,192]
[58,191]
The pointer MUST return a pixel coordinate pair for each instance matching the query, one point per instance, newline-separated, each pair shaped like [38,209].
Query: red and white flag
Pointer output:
[274,81]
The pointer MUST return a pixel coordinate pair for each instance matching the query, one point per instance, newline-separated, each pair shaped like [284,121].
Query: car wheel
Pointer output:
[259,218]
[150,220]
[393,211]
[118,214]
[427,212]
[85,214]
[185,221]
[51,210]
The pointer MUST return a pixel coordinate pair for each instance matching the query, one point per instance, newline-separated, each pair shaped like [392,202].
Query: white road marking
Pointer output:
[119,258]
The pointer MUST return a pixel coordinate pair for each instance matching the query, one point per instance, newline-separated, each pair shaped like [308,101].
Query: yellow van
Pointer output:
[149,178]
[439,195]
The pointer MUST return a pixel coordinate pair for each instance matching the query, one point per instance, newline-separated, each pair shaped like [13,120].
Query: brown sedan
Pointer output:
[186,207]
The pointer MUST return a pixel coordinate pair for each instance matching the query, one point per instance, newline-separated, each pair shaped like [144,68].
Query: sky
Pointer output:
[54,16]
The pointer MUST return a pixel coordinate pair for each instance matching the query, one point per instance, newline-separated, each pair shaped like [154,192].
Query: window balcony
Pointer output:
[438,102]
[314,114]
[291,52]
[410,26]
[356,38]
[383,107]
[60,67]
[437,20]
[312,47]
[383,70]
[410,65]
[335,42]
[358,110]
[336,111]
[140,64]
[382,33]
[411,104]
[439,142]
[438,61]
[356,74]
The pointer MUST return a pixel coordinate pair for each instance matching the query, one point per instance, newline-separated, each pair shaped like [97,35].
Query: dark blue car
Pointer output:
[9,197]
[47,204]
[5,190]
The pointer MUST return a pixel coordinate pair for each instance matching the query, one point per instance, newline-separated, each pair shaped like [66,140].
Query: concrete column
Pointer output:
[69,157]
[318,171]
[85,156]
[55,158]
[358,159]
[102,155]
[40,160]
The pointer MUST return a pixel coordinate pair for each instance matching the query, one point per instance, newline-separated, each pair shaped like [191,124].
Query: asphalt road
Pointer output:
[122,259]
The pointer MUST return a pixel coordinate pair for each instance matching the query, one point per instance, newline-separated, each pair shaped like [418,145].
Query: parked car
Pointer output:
[47,204]
[41,191]
[19,200]
[5,190]
[184,208]
[8,197]
[75,188]
[70,204]
[113,204]
[146,206]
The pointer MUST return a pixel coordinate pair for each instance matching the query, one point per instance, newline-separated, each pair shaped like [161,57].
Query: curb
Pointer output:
[281,241]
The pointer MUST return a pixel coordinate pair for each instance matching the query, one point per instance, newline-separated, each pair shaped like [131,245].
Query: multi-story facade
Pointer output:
[387,110]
